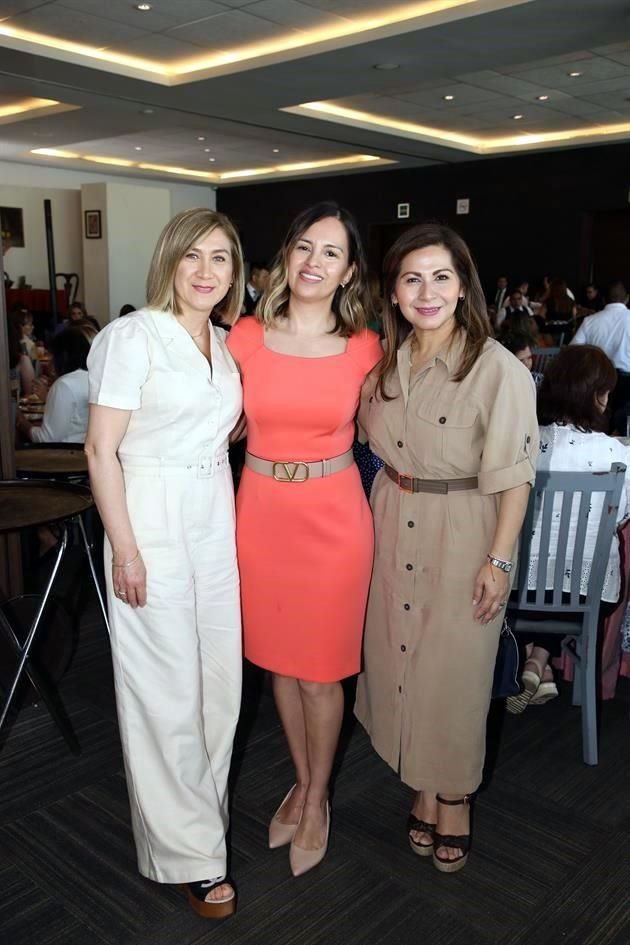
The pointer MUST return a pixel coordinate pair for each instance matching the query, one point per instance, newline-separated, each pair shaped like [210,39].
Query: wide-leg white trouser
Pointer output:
[177,667]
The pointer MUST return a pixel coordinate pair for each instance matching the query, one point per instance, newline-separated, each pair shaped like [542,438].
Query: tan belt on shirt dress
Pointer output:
[440,486]
[297,470]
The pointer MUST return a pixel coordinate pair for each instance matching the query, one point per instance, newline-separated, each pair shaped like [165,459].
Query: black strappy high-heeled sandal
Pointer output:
[461,842]
[421,849]
[213,908]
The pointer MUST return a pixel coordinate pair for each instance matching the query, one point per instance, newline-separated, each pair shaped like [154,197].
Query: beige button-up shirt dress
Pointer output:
[428,665]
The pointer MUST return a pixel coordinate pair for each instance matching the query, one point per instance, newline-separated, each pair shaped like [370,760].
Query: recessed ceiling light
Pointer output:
[517,117]
[201,137]
[146,111]
[574,75]
[212,160]
[137,148]
[542,98]
[386,66]
[276,150]
[448,98]
[207,150]
[143,7]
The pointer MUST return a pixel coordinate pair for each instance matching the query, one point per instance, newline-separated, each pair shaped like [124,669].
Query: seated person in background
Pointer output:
[520,342]
[127,310]
[515,307]
[66,414]
[610,331]
[21,373]
[255,286]
[591,300]
[572,402]
[77,313]
[558,311]
[24,320]
[523,288]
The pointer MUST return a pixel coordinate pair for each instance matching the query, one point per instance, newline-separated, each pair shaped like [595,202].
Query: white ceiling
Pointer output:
[495,64]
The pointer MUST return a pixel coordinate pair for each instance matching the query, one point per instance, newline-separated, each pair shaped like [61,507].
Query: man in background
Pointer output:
[258,275]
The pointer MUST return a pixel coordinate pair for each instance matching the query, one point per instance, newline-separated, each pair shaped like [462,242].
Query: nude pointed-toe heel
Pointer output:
[300,860]
[280,834]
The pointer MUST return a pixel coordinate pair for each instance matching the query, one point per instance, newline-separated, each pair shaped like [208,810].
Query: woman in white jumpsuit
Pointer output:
[164,396]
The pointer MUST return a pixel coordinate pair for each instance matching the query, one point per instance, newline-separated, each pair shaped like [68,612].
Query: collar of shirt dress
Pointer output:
[449,356]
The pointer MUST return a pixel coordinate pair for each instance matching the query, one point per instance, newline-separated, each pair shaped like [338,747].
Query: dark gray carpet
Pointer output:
[549,865]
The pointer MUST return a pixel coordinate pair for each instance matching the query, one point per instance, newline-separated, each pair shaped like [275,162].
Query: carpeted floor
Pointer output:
[549,865]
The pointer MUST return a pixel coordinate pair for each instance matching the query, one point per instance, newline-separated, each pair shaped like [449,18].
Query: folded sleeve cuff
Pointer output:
[500,480]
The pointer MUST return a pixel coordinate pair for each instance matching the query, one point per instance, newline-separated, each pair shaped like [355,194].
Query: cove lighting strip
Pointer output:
[31,108]
[220,177]
[328,111]
[389,21]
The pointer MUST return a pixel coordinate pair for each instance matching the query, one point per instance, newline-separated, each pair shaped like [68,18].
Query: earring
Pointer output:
[461,298]
[343,285]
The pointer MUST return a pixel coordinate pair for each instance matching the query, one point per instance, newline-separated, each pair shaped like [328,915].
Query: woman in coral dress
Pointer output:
[304,528]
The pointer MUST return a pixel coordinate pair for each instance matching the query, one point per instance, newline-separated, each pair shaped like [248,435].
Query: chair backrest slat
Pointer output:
[578,548]
[563,541]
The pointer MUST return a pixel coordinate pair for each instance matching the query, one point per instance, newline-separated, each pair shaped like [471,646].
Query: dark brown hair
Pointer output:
[351,304]
[570,384]
[471,314]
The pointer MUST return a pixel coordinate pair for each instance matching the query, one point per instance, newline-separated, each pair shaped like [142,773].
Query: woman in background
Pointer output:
[66,414]
[572,402]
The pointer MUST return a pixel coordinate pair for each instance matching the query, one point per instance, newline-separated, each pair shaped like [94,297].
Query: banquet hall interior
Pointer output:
[508,120]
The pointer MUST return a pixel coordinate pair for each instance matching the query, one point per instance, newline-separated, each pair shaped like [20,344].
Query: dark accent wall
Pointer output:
[529,215]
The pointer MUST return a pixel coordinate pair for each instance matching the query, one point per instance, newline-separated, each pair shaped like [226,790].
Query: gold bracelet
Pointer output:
[128,564]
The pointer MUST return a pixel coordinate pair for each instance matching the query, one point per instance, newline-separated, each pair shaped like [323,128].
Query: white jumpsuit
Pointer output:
[177,661]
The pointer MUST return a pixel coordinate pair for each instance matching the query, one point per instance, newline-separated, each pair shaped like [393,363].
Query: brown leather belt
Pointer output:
[297,470]
[439,486]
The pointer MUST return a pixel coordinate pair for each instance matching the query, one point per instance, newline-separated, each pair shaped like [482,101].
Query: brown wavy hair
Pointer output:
[470,314]
[570,384]
[351,304]
[177,237]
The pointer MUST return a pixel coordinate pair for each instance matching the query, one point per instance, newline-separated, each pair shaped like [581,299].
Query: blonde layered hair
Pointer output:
[471,315]
[351,304]
[176,239]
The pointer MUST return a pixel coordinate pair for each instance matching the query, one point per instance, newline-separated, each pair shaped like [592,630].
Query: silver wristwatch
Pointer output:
[501,565]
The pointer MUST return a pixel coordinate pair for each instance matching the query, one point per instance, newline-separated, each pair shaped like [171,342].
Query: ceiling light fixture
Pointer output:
[212,160]
[517,117]
[146,111]
[276,150]
[137,148]
[207,150]
[448,98]
[542,98]
[574,75]
[143,7]
[201,137]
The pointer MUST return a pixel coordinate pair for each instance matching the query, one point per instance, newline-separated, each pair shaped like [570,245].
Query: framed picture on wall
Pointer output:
[12,226]
[93,225]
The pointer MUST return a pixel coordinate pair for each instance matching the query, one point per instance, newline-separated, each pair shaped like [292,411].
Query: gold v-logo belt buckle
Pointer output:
[288,472]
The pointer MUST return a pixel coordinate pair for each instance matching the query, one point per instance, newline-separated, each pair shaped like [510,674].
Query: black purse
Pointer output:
[506,682]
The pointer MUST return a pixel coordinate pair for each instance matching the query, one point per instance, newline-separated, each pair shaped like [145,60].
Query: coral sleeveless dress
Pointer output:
[305,549]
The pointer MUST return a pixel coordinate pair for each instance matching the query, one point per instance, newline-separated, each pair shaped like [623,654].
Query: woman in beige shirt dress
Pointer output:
[164,395]
[453,416]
